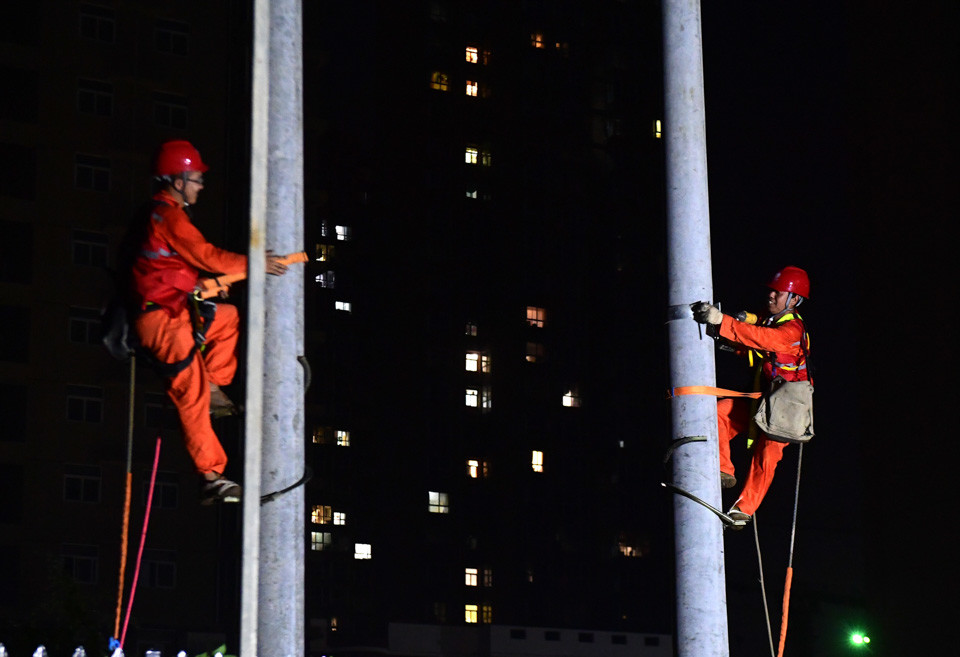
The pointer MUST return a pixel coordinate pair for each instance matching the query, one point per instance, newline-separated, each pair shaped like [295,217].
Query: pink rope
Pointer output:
[143,539]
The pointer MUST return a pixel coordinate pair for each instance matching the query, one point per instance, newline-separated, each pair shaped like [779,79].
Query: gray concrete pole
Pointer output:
[701,595]
[282,518]
[253,413]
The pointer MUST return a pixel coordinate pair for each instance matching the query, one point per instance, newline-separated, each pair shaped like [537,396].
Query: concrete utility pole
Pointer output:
[701,595]
[279,606]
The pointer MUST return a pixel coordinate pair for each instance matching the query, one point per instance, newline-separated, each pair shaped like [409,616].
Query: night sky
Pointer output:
[832,147]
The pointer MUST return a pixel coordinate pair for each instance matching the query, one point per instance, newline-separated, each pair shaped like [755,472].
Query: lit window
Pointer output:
[472,398]
[657,129]
[320,540]
[334,624]
[320,435]
[471,155]
[327,279]
[537,461]
[438,502]
[486,397]
[345,306]
[486,614]
[477,362]
[563,47]
[571,399]
[470,576]
[471,329]
[470,613]
[343,438]
[323,252]
[488,577]
[344,233]
[439,81]
[534,352]
[321,515]
[472,86]
[339,518]
[486,159]
[472,193]
[536,39]
[362,551]
[477,469]
[472,55]
[536,316]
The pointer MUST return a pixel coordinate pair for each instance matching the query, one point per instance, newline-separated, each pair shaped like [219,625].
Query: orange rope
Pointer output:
[786,611]
[123,552]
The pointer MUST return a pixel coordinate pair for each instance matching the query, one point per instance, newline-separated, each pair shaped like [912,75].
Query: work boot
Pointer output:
[739,518]
[727,480]
[220,489]
[220,404]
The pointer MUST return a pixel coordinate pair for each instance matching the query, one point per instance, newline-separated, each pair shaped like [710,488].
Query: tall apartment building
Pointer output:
[485,417]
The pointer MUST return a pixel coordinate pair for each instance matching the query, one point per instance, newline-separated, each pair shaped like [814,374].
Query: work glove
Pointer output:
[706,313]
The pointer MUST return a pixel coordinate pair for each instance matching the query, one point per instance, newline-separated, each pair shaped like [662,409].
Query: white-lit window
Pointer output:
[472,86]
[486,397]
[470,614]
[438,502]
[471,155]
[362,551]
[472,193]
[472,398]
[327,279]
[339,518]
[657,129]
[439,81]
[344,233]
[536,39]
[343,438]
[473,55]
[345,306]
[321,515]
[571,399]
[536,461]
[477,362]
[320,540]
[470,576]
[536,316]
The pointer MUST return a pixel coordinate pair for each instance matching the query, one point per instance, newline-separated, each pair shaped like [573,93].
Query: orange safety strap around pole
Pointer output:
[211,287]
[786,610]
[711,390]
[123,552]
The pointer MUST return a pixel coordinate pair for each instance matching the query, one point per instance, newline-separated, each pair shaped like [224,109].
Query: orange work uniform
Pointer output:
[165,273]
[784,354]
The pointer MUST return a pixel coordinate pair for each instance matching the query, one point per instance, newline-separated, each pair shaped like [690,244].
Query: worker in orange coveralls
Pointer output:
[782,343]
[165,273]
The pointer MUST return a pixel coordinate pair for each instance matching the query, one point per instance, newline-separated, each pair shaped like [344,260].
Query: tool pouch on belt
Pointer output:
[785,413]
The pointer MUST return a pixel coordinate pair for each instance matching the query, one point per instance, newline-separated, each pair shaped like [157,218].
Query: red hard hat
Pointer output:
[178,156]
[791,279]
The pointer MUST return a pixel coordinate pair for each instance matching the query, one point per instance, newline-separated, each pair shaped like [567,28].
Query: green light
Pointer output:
[859,639]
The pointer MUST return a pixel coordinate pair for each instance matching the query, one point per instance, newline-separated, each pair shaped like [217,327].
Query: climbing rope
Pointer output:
[143,540]
[126,496]
[763,588]
[789,579]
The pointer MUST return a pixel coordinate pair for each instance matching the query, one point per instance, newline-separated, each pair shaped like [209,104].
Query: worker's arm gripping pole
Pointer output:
[249,624]
[701,599]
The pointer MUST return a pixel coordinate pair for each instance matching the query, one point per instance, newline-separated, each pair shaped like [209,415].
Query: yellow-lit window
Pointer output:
[486,158]
[536,39]
[320,540]
[324,252]
[473,468]
[362,551]
[343,438]
[534,352]
[439,81]
[571,399]
[473,55]
[486,614]
[657,129]
[471,155]
[438,502]
[321,435]
[470,613]
[470,575]
[472,87]
[334,624]
[536,316]
[321,515]
[536,461]
[339,518]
